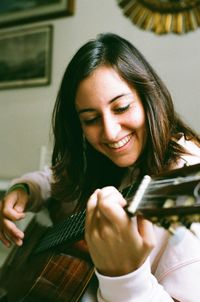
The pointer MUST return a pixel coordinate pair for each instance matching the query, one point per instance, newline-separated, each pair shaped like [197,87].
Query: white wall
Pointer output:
[25,113]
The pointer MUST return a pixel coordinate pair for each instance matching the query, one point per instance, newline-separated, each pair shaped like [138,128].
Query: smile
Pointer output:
[121,143]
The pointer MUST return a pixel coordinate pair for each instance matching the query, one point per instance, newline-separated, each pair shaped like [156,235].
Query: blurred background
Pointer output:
[25,112]
[26,107]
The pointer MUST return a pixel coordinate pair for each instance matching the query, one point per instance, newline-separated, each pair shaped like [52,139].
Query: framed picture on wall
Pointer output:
[25,57]
[14,12]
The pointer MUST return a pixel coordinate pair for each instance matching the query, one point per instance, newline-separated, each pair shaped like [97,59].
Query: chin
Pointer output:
[125,163]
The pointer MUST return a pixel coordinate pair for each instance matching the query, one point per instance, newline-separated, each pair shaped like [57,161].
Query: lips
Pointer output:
[120,143]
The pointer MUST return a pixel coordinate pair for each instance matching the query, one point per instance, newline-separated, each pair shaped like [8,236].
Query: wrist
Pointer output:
[22,186]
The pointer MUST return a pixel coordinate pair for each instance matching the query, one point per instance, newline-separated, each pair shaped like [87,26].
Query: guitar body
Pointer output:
[61,275]
[53,265]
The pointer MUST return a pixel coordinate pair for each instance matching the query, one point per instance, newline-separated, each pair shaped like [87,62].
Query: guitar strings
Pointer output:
[73,226]
[70,229]
[154,184]
[177,180]
[159,184]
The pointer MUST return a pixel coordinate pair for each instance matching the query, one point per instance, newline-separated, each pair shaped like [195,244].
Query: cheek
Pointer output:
[90,134]
[138,119]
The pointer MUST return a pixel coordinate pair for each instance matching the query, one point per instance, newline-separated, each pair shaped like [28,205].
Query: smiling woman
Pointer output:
[114,127]
[112,116]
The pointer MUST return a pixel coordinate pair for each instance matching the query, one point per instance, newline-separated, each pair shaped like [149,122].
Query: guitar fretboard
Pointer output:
[184,183]
[69,230]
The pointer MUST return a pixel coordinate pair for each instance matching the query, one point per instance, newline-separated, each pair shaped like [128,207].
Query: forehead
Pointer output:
[103,85]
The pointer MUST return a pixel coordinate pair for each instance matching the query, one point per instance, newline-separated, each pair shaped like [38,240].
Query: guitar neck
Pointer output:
[69,230]
[171,198]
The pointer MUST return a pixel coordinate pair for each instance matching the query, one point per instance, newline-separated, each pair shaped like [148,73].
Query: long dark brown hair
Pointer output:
[77,167]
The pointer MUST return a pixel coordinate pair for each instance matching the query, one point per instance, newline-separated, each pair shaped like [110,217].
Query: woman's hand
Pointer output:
[118,244]
[12,208]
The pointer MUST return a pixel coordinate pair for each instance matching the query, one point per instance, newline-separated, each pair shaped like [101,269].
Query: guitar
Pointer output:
[53,265]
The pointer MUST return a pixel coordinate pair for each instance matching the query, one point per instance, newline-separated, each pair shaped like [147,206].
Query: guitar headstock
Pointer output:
[171,198]
[172,212]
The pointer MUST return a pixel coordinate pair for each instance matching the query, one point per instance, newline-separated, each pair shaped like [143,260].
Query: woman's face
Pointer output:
[112,116]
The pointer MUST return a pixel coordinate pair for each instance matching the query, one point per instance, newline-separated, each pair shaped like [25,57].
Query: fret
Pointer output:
[71,229]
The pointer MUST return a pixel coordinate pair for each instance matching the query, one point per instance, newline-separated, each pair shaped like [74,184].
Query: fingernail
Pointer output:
[19,242]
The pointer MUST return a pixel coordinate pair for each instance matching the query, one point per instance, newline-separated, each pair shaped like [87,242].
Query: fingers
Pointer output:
[109,228]
[4,240]
[105,212]
[109,202]
[146,231]
[106,206]
[12,209]
[14,205]
[92,202]
[11,234]
[111,206]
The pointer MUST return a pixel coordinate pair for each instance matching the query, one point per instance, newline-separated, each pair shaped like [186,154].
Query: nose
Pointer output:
[111,128]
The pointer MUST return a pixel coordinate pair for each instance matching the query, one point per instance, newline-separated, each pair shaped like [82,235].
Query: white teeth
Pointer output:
[121,143]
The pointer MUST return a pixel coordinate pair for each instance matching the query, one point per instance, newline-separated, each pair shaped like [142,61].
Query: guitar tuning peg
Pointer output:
[195,217]
[168,226]
[189,201]
[188,220]
[154,219]
[169,203]
[165,223]
[187,223]
[171,230]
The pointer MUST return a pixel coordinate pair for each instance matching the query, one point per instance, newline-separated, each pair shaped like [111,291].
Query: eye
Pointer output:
[122,109]
[91,121]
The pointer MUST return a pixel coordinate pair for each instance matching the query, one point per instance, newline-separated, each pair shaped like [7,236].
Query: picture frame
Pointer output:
[25,57]
[163,16]
[15,12]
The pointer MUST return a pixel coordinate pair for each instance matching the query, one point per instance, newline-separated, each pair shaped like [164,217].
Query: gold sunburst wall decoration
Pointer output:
[163,16]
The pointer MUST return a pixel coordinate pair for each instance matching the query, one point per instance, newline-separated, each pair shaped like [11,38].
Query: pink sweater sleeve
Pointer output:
[39,183]
[138,286]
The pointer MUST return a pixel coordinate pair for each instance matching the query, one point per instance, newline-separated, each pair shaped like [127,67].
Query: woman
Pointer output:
[114,122]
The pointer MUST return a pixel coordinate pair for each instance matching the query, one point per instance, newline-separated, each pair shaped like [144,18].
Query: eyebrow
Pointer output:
[110,102]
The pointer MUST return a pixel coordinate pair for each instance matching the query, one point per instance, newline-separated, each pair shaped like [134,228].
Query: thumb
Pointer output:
[21,201]
[14,204]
